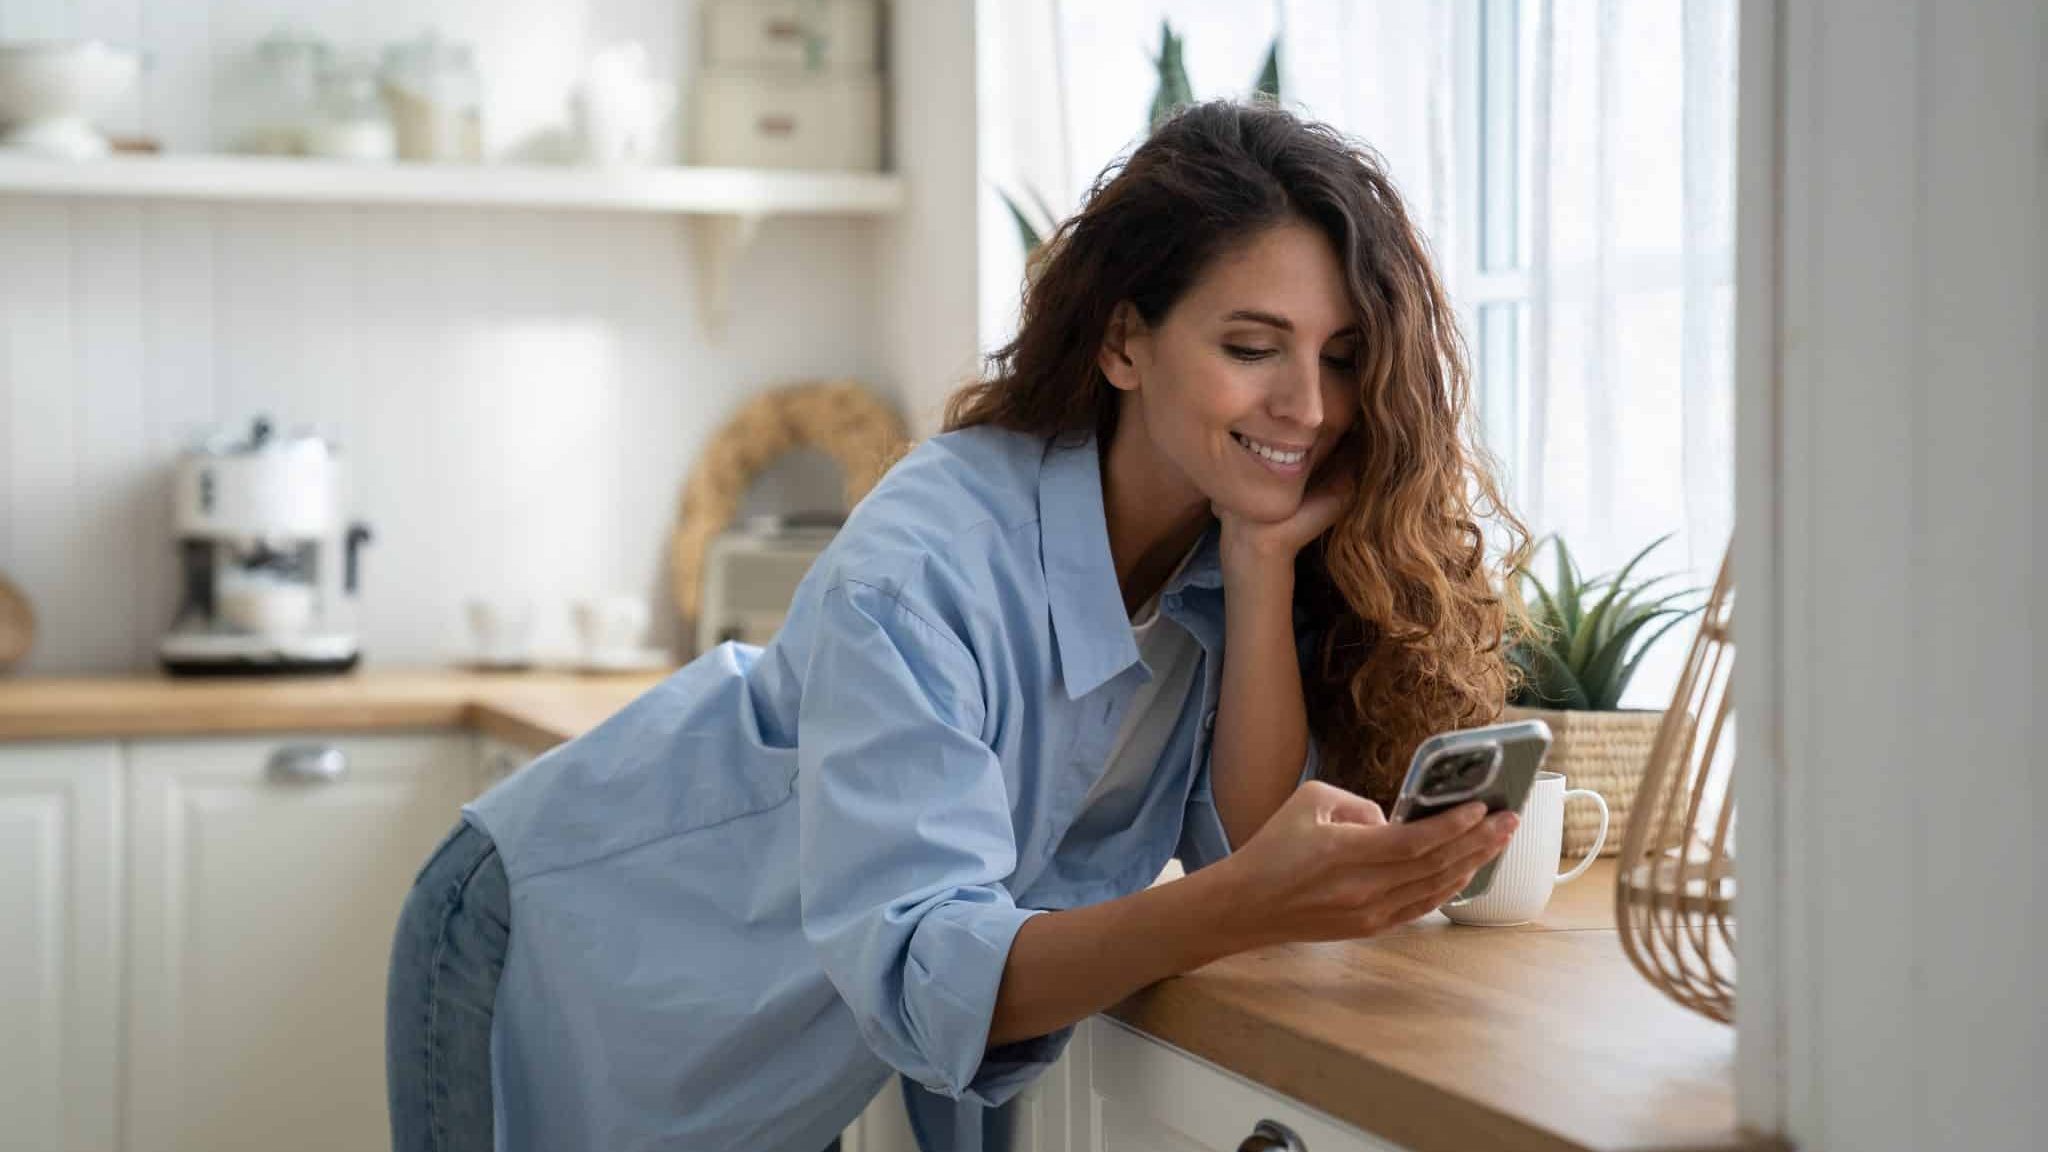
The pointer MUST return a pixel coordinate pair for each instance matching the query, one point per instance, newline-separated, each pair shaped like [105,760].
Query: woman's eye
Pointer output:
[1247,354]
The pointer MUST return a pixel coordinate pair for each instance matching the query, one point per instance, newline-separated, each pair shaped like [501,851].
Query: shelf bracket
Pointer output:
[721,238]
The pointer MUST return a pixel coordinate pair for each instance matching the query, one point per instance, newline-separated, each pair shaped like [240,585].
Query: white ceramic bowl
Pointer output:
[51,91]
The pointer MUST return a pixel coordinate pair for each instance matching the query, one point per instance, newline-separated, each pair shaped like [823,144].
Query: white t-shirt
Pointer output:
[1174,656]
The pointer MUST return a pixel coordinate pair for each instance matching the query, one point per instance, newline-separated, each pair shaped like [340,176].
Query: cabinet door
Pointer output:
[60,946]
[1149,1097]
[266,878]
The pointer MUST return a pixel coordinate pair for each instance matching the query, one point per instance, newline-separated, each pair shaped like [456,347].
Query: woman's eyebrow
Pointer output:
[1258,317]
[1283,323]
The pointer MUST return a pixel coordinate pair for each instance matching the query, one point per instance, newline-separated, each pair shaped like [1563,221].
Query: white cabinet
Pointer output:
[265,878]
[60,958]
[1145,1096]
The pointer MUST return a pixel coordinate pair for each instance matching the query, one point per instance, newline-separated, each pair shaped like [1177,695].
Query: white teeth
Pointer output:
[1273,454]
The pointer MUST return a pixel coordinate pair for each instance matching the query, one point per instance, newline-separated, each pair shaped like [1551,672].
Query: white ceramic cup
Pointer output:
[1527,872]
[267,607]
[500,631]
[608,626]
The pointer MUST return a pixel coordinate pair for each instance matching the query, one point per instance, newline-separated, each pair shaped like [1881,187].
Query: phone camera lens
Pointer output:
[1463,772]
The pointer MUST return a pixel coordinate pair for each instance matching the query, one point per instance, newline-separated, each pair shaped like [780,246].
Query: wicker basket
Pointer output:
[1604,751]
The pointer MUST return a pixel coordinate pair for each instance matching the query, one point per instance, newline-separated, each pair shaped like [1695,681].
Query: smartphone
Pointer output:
[1495,764]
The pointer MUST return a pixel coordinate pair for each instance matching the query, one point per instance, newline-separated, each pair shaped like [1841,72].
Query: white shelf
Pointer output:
[715,191]
[726,206]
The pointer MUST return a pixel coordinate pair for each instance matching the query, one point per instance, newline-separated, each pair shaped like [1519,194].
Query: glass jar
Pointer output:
[350,121]
[436,100]
[288,68]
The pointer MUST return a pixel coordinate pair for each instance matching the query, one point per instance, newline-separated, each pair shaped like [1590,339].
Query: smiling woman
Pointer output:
[917,831]
[1242,306]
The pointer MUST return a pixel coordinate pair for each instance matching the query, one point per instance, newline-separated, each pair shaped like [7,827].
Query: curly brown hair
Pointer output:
[1410,616]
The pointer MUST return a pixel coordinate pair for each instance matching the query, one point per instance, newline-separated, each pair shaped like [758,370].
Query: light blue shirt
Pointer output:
[784,872]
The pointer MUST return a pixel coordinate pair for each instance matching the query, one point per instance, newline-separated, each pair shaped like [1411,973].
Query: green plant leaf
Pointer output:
[1591,632]
[1628,601]
[1628,671]
[1602,684]
[1546,614]
[1568,581]
[1173,91]
[1267,86]
[1045,212]
[1025,231]
[1617,585]
[1547,682]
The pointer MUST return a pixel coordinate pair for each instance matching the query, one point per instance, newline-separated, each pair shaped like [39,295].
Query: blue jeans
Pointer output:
[445,962]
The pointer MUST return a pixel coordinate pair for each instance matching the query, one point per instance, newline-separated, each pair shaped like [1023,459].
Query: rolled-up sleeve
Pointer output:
[906,839]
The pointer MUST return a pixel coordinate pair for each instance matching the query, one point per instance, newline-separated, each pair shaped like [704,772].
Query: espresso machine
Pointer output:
[269,564]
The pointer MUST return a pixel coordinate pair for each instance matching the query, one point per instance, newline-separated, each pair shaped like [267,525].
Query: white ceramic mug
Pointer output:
[500,631]
[1527,872]
[608,626]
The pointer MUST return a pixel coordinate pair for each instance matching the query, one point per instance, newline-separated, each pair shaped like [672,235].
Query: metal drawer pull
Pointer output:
[1270,1135]
[308,764]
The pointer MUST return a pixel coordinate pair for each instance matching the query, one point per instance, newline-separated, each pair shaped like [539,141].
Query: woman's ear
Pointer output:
[1119,340]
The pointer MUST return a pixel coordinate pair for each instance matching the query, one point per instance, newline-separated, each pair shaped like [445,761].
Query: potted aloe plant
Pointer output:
[1584,641]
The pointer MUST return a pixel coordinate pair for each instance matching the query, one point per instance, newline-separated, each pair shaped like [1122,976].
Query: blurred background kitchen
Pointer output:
[454,242]
[418,382]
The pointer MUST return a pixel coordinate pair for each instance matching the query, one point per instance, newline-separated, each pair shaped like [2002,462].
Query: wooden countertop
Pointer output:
[1436,1037]
[536,709]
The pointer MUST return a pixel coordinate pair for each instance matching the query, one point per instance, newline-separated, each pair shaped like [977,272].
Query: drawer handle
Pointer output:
[1270,1135]
[308,764]
[782,28]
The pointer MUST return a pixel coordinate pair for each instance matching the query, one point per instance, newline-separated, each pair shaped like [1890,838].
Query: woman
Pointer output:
[915,832]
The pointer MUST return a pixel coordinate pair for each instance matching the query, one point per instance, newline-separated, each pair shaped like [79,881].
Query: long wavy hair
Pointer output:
[1410,615]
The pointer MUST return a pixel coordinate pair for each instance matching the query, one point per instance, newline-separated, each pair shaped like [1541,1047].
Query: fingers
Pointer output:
[1415,840]
[1334,805]
[1434,899]
[1467,852]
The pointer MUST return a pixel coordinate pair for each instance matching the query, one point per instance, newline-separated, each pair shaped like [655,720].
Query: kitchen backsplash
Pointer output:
[520,394]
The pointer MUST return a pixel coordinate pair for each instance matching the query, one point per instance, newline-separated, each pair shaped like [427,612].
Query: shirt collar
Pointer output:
[1091,630]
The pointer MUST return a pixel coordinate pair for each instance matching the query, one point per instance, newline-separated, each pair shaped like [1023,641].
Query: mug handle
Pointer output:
[1599,840]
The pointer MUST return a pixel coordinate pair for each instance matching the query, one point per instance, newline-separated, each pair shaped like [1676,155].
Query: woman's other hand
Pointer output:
[1328,866]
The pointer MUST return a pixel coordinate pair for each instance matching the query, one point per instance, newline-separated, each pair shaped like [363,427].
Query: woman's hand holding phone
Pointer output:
[1328,866]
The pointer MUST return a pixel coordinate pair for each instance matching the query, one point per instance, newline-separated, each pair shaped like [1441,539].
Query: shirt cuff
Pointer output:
[954,971]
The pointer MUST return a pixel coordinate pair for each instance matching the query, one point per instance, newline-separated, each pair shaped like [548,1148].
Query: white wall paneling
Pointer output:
[520,393]
[930,268]
[521,390]
[1894,509]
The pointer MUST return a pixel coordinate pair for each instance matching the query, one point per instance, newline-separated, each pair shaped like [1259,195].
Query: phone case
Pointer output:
[1496,764]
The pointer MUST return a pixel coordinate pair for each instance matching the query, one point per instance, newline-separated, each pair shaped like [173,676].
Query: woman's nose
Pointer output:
[1300,399]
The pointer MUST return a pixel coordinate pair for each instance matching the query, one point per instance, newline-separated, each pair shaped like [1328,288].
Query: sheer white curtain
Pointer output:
[1629,391]
[1066,88]
[1612,396]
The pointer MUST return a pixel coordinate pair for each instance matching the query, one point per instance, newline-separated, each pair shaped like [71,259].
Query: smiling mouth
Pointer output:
[1282,460]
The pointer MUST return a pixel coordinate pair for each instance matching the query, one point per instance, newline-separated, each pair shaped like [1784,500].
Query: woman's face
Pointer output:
[1250,380]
